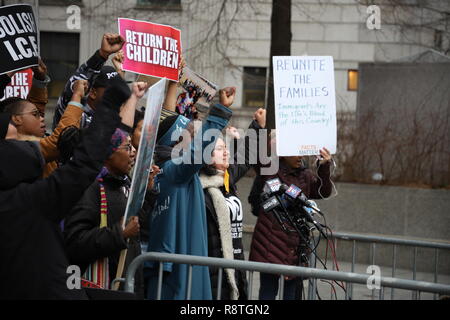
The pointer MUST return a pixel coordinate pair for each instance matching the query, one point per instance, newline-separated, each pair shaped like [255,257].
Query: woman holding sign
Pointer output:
[93,231]
[274,243]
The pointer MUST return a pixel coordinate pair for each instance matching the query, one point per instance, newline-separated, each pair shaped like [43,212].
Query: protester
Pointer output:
[137,127]
[93,231]
[224,209]
[30,123]
[26,117]
[178,222]
[38,94]
[98,77]
[33,256]
[270,243]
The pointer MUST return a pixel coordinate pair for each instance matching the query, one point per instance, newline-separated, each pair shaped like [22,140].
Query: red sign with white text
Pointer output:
[20,85]
[150,49]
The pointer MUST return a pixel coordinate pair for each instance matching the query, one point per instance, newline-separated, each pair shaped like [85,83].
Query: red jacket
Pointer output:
[270,242]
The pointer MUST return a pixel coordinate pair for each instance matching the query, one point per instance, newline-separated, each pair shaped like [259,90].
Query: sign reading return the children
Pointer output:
[18,37]
[305,105]
[151,49]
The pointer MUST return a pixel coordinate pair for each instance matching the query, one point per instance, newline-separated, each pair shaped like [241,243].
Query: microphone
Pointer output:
[272,185]
[270,204]
[312,205]
[296,194]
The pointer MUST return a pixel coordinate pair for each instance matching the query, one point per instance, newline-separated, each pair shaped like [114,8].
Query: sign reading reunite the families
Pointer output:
[305,105]
[18,36]
[156,95]
[151,49]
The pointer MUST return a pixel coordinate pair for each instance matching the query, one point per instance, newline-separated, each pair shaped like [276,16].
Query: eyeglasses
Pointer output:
[127,147]
[36,113]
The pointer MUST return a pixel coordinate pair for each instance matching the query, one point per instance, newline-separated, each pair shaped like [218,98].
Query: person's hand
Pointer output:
[111,43]
[11,74]
[138,89]
[233,132]
[80,88]
[151,178]
[40,71]
[132,228]
[117,60]
[260,117]
[325,156]
[226,96]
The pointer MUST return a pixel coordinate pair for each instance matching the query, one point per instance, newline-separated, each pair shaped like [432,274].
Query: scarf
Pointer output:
[212,184]
[97,274]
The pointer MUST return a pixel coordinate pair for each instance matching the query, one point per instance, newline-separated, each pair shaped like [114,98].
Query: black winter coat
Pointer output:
[34,263]
[86,242]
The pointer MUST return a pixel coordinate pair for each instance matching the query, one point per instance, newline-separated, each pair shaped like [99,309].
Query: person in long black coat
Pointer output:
[34,264]
[224,210]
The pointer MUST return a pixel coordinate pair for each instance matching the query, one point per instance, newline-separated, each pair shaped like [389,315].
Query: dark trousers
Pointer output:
[269,287]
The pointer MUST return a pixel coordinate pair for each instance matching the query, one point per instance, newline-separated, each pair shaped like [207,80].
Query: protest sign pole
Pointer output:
[121,266]
[38,25]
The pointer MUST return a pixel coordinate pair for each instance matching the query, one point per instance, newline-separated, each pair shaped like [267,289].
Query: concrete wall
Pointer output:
[404,114]
[382,210]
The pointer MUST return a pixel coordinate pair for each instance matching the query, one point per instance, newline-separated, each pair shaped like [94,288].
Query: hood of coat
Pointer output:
[20,161]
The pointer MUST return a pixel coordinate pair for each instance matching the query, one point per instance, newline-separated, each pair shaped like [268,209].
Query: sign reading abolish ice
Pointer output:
[18,38]
[144,157]
[151,49]
[305,105]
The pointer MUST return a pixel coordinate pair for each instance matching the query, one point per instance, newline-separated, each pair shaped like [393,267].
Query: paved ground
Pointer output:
[361,292]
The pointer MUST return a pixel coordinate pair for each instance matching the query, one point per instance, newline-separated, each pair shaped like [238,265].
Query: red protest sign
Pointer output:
[20,85]
[150,49]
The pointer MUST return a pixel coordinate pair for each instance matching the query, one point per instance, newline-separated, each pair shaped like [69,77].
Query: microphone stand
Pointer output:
[291,221]
[302,237]
[310,217]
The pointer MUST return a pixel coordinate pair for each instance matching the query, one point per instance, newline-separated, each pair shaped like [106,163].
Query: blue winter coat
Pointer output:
[178,221]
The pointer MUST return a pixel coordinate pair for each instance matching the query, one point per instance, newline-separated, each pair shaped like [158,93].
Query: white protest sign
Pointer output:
[305,105]
[147,143]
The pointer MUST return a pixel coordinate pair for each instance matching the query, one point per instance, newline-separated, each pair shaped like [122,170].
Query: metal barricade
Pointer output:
[373,240]
[282,270]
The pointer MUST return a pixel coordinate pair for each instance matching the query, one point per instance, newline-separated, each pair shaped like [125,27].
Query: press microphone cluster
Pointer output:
[277,195]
